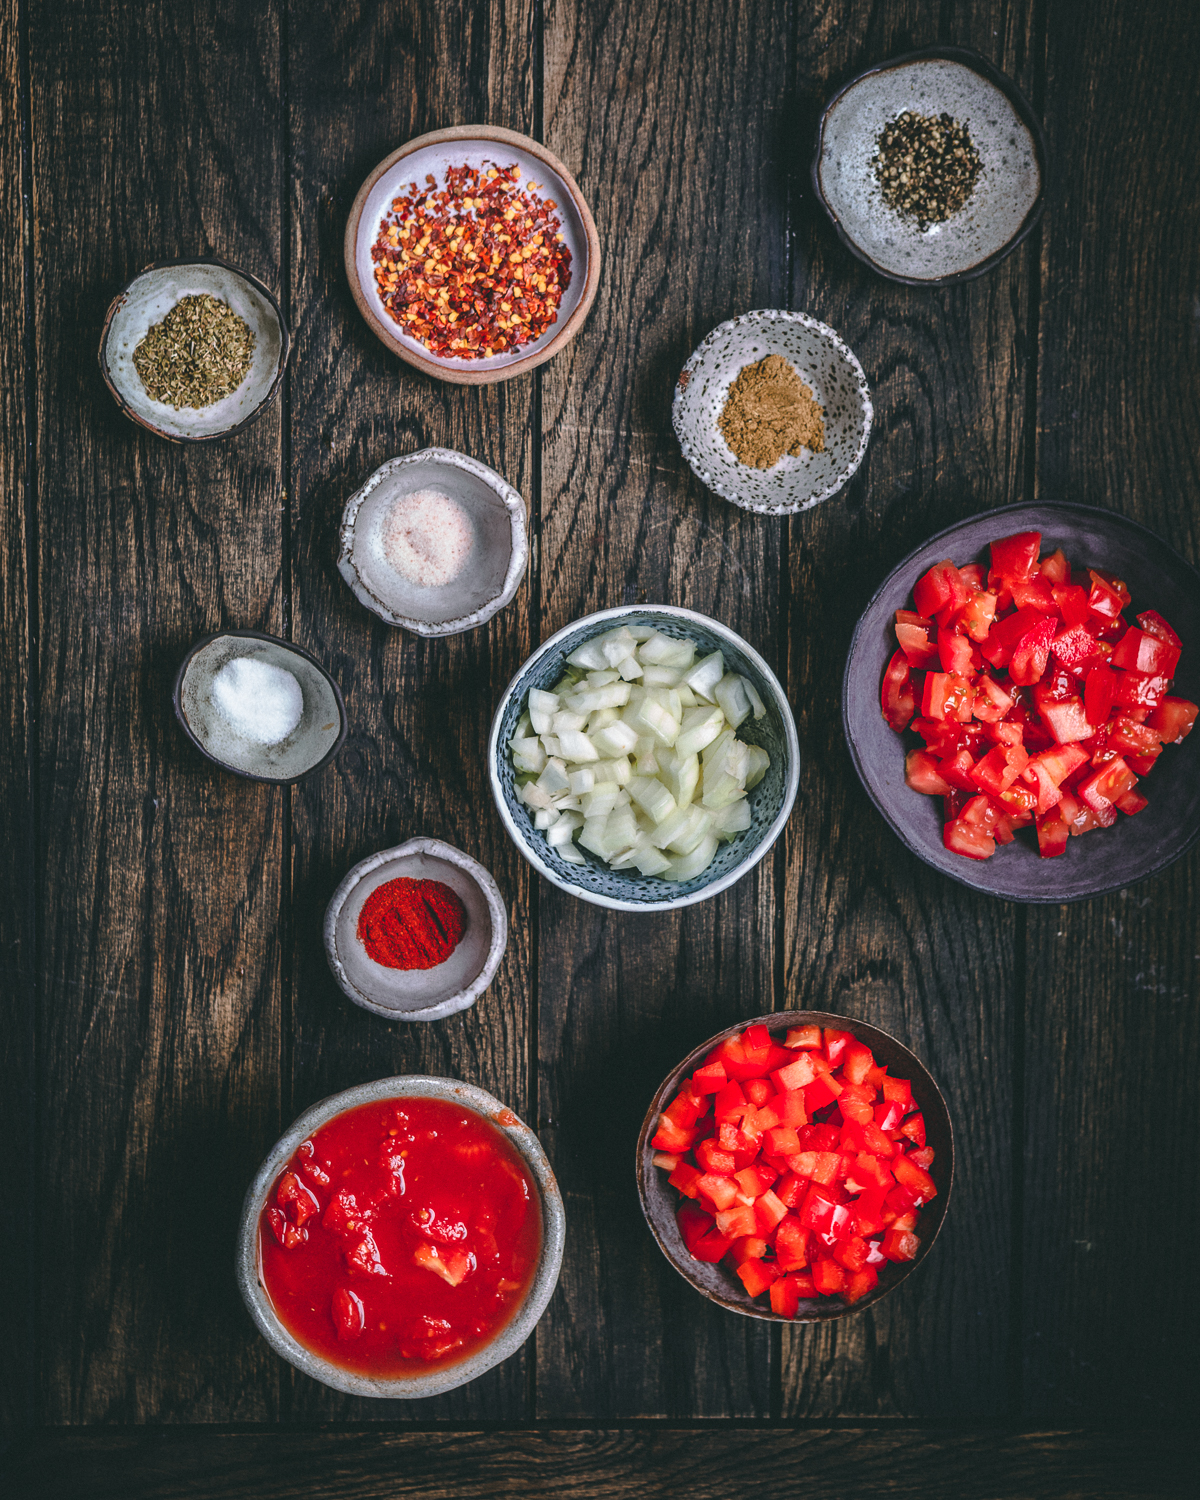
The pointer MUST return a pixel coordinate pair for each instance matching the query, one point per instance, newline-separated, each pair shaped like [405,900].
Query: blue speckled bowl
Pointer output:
[770,801]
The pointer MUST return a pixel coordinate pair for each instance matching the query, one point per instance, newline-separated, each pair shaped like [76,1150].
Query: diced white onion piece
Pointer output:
[713,753]
[540,721]
[724,790]
[554,777]
[651,861]
[615,740]
[694,863]
[618,771]
[561,833]
[545,817]
[737,762]
[733,819]
[592,836]
[587,700]
[680,775]
[602,679]
[646,764]
[581,781]
[700,727]
[564,720]
[654,676]
[653,718]
[617,645]
[630,668]
[524,727]
[705,675]
[663,651]
[620,831]
[543,703]
[572,855]
[653,797]
[590,656]
[601,717]
[730,693]
[641,632]
[567,804]
[687,698]
[602,801]
[550,744]
[577,747]
[532,796]
[760,764]
[756,703]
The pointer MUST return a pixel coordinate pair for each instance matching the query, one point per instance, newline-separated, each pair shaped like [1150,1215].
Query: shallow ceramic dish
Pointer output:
[770,802]
[827,367]
[489,578]
[511,1336]
[312,744]
[1006,202]
[1101,861]
[146,300]
[718,1282]
[474,146]
[418,994]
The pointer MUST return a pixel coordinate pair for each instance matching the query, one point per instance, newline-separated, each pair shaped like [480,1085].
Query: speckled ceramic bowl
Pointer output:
[492,573]
[310,746]
[418,994]
[146,300]
[827,367]
[770,801]
[447,1377]
[1005,203]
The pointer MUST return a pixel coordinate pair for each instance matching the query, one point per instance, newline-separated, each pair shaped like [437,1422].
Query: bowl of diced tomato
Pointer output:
[796,1167]
[1025,678]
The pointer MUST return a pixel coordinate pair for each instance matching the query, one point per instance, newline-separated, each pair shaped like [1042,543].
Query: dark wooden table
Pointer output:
[167,1007]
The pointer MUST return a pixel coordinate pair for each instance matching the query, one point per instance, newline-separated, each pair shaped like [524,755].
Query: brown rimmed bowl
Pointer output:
[718,1282]
[146,300]
[474,145]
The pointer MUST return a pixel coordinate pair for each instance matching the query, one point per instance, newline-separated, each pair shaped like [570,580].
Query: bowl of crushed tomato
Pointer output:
[401,1238]
[796,1167]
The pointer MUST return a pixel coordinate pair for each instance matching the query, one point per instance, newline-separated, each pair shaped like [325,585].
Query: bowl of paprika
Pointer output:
[417,932]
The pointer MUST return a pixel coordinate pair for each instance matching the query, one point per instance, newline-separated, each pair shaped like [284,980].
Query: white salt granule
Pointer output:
[260,702]
[427,537]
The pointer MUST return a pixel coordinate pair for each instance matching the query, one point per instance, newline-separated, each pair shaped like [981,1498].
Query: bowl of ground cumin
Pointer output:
[773,411]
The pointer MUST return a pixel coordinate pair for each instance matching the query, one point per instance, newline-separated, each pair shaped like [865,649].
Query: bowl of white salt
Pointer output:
[434,542]
[259,706]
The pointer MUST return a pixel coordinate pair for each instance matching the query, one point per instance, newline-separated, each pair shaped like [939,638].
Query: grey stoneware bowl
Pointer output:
[146,300]
[511,1336]
[826,365]
[718,1282]
[1098,862]
[1006,202]
[313,743]
[770,801]
[418,994]
[493,571]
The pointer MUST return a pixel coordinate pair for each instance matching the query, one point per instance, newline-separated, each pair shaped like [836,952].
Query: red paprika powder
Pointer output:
[411,924]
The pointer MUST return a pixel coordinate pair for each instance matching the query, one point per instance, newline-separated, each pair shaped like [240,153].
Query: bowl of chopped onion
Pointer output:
[644,758]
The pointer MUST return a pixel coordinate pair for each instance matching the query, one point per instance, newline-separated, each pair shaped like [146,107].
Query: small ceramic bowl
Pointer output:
[447,1377]
[418,994]
[1006,202]
[770,801]
[312,744]
[718,1282]
[827,367]
[1106,859]
[491,574]
[473,146]
[146,300]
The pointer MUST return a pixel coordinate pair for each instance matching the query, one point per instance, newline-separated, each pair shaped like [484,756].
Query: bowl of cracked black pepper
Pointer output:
[931,166]
[773,411]
[193,350]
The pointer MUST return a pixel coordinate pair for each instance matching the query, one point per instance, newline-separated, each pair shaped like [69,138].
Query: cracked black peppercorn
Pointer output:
[927,166]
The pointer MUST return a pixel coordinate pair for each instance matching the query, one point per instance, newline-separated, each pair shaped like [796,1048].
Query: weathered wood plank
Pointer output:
[155,134]
[1112,1036]
[362,83]
[668,115]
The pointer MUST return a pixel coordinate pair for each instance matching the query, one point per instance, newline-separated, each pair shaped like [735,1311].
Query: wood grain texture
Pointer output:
[155,134]
[1113,1038]
[639,101]
[362,83]
[869,930]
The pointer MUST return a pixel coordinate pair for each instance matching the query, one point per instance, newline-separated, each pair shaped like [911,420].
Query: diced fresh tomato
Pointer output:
[1052,834]
[954,653]
[975,618]
[940,592]
[1105,597]
[916,639]
[1173,719]
[1072,601]
[961,838]
[1055,568]
[898,699]
[1107,785]
[1131,802]
[1013,557]
[1139,689]
[1154,624]
[1139,651]
[1031,652]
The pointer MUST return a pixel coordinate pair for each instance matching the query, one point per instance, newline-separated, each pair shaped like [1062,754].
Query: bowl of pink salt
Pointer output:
[434,542]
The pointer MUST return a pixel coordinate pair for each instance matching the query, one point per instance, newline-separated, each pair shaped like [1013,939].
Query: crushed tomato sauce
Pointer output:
[401,1236]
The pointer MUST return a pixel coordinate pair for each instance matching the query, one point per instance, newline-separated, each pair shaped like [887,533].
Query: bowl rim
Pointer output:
[274,640]
[731,877]
[525,362]
[509,1338]
[512,500]
[285,344]
[1111,517]
[483,878]
[830,335]
[781,1020]
[1025,113]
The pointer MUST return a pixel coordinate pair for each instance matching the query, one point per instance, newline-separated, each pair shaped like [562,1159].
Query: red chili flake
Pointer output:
[473,269]
[411,924]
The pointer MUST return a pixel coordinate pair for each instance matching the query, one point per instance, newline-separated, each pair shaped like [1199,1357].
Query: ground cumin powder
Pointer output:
[770,412]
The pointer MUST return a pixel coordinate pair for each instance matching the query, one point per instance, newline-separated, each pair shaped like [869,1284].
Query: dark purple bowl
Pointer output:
[1099,862]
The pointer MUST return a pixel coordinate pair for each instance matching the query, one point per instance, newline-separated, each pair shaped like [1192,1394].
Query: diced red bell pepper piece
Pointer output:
[672,1137]
[961,838]
[828,1277]
[713,1159]
[730,1104]
[791,1188]
[900,1245]
[914,1128]
[757,1276]
[899,1090]
[768,1211]
[791,1244]
[684,1179]
[889,1116]
[819,1138]
[851,1253]
[796,1074]
[820,1166]
[1052,835]
[856,1102]
[785,1297]
[1032,652]
[749,1247]
[738,1221]
[866,1211]
[857,1062]
[708,1078]
[1014,557]
[817,1209]
[1173,719]
[781,1141]
[804,1036]
[716,1190]
[758,1091]
[1139,651]
[913,1177]
[820,1092]
[686,1108]
[860,1283]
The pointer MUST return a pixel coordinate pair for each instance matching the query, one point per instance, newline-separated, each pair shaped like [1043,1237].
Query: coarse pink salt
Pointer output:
[427,537]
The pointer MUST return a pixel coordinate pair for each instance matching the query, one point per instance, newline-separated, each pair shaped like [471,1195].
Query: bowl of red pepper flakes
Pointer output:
[472,254]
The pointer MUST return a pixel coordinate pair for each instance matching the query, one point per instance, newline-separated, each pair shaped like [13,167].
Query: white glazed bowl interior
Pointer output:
[507,1341]
[488,580]
[147,301]
[770,802]
[418,994]
[827,367]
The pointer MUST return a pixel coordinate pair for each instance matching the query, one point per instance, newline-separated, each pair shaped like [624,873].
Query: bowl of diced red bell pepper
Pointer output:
[796,1167]
[1027,671]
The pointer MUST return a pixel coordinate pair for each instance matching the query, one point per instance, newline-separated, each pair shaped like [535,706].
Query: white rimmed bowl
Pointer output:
[418,994]
[771,800]
[491,575]
[826,365]
[510,1337]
